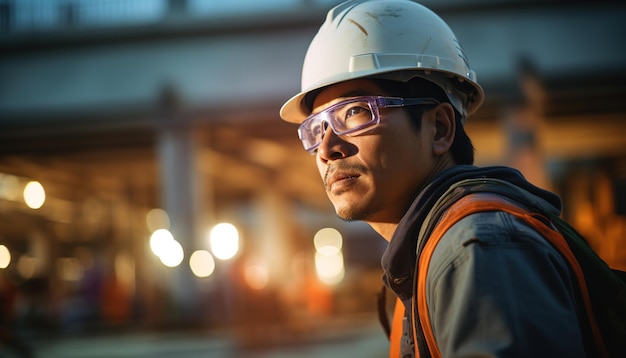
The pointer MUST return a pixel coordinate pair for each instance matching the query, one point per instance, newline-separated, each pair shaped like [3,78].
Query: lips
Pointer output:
[339,179]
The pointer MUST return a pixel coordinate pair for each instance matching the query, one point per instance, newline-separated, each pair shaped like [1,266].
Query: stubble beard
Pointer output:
[352,211]
[359,211]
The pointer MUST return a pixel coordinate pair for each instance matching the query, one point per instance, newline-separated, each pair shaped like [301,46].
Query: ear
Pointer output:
[445,127]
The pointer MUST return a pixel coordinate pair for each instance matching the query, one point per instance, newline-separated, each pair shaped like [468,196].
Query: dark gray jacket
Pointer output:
[495,287]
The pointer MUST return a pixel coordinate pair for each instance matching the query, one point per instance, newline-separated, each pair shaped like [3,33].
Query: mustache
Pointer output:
[343,167]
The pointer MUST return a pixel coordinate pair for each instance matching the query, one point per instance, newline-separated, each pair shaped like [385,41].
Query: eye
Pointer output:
[316,129]
[356,110]
[356,115]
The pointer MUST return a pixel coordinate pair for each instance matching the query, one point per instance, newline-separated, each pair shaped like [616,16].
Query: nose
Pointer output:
[332,146]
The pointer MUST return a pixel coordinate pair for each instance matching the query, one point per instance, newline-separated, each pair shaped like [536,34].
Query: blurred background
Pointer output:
[150,193]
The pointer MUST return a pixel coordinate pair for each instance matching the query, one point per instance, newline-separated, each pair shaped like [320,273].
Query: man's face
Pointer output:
[373,176]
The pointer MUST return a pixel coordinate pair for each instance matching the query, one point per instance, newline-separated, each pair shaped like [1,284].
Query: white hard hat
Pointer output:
[387,39]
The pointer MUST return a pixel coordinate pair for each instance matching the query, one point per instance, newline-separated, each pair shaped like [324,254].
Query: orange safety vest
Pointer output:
[465,206]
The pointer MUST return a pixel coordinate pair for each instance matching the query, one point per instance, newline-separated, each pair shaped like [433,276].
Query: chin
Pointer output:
[353,205]
[353,212]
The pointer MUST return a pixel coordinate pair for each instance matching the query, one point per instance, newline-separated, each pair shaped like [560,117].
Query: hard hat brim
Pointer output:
[295,109]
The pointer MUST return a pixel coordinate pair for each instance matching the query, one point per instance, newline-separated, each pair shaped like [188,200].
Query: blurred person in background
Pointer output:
[386,90]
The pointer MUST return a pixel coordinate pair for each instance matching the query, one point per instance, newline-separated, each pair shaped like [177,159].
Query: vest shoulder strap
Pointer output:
[397,330]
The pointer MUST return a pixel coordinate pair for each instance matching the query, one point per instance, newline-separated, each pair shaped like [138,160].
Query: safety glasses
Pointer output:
[352,117]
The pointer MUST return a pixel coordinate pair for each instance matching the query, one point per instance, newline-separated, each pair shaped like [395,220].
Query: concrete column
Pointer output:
[273,227]
[181,197]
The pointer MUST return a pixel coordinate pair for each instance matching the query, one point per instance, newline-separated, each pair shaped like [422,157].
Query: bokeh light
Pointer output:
[159,241]
[329,263]
[256,276]
[34,195]
[174,254]
[328,241]
[330,268]
[169,251]
[202,263]
[5,257]
[224,241]
[10,188]
[157,219]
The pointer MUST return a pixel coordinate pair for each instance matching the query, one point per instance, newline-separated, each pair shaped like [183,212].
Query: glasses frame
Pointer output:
[374,103]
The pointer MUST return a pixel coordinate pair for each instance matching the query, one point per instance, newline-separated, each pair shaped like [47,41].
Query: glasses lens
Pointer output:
[344,117]
[311,131]
[352,115]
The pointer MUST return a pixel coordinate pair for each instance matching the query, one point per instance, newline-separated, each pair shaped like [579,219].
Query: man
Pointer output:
[386,89]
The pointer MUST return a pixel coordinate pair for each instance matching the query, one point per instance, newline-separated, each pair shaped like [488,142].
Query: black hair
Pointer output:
[462,149]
